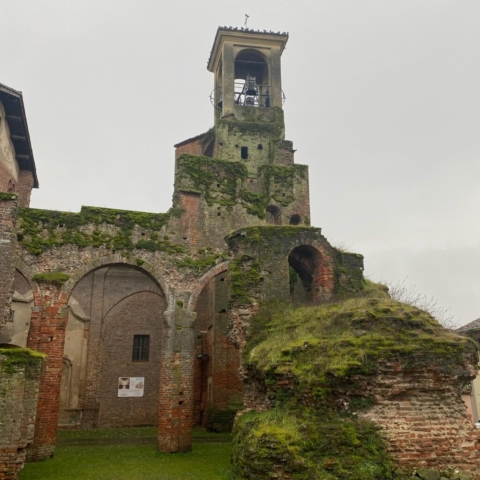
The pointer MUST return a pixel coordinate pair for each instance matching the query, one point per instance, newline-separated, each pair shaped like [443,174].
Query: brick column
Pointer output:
[8,246]
[176,381]
[19,387]
[47,335]
[25,185]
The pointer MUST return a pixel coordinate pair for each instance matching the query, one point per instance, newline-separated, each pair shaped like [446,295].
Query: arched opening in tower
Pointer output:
[295,219]
[305,264]
[273,215]
[251,79]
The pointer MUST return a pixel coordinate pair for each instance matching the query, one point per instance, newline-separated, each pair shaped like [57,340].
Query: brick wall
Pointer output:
[139,314]
[19,392]
[8,246]
[120,302]
[25,185]
[192,148]
[423,416]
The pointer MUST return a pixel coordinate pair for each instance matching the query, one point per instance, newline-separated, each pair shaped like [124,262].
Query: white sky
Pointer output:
[382,103]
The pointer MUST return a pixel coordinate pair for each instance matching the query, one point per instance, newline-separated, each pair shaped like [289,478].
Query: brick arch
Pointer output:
[323,276]
[115,259]
[221,267]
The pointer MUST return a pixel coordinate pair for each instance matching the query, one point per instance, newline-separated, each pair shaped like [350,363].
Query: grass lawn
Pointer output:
[92,459]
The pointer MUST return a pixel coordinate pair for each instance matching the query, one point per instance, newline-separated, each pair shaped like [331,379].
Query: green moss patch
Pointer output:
[318,346]
[306,446]
[222,182]
[245,276]
[45,229]
[54,278]
[8,196]
[13,358]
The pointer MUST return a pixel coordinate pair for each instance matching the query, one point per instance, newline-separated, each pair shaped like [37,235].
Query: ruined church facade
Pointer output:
[142,316]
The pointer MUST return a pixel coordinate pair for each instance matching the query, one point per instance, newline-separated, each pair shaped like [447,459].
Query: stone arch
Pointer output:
[253,62]
[311,275]
[273,215]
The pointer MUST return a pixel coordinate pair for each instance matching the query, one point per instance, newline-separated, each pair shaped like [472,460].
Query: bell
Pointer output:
[250,86]
[249,101]
[220,100]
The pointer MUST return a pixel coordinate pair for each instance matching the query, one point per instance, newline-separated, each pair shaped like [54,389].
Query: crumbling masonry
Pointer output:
[108,294]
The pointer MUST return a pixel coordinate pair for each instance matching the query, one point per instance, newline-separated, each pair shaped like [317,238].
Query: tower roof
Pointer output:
[249,36]
[17,122]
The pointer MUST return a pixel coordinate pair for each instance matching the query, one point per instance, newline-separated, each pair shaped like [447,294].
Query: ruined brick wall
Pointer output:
[217,197]
[423,416]
[8,246]
[25,185]
[19,393]
[418,407]
[193,147]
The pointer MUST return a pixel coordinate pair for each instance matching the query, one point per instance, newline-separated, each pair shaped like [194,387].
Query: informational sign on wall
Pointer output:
[131,386]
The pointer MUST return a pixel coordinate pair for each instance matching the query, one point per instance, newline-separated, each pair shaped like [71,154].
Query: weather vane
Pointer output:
[246,19]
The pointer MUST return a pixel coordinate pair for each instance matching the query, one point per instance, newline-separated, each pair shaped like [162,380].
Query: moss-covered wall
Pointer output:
[352,366]
[20,371]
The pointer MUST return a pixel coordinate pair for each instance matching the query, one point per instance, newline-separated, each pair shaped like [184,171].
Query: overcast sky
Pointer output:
[383,104]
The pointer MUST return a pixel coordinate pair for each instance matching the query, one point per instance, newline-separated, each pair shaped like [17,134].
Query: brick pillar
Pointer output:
[91,400]
[176,382]
[19,387]
[25,185]
[8,247]
[47,335]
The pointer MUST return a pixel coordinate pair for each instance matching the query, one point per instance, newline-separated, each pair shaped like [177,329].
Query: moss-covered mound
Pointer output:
[316,346]
[281,444]
[316,365]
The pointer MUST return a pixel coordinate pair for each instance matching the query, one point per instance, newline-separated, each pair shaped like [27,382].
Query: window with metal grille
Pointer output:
[141,348]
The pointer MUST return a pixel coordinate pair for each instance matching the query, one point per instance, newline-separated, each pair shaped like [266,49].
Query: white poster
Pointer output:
[131,386]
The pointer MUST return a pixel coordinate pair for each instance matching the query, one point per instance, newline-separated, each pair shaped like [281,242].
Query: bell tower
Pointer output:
[248,97]
[247,70]
[241,172]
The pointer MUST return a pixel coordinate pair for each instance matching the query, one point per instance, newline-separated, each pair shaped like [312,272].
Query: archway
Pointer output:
[218,391]
[305,264]
[273,215]
[111,307]
[251,79]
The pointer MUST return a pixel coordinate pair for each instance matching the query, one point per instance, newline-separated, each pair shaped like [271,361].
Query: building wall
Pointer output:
[8,246]
[9,172]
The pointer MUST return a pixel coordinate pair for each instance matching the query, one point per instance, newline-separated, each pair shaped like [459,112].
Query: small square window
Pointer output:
[141,348]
